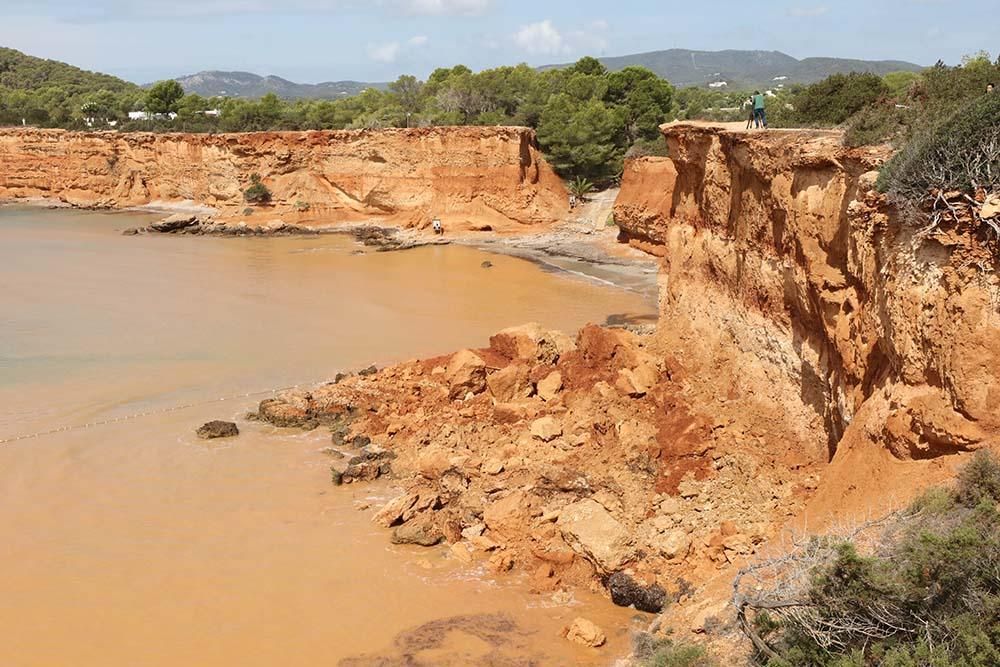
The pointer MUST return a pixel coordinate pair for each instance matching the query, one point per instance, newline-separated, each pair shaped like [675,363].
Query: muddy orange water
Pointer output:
[134,543]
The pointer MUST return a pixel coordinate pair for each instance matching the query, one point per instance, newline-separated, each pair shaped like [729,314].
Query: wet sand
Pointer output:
[134,543]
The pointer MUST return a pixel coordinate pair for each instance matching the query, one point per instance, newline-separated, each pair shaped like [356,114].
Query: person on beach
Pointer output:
[572,202]
[436,226]
[759,115]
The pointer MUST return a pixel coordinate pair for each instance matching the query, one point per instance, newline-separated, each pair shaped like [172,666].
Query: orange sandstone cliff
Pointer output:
[791,285]
[469,177]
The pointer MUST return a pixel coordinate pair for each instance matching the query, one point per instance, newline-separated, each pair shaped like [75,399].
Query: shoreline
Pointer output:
[552,249]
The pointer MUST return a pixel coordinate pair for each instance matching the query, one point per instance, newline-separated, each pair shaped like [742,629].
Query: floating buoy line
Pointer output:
[150,413]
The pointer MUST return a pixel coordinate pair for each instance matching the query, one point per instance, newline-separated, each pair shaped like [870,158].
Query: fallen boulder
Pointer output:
[217,429]
[592,532]
[546,429]
[421,532]
[627,592]
[582,631]
[466,372]
[373,462]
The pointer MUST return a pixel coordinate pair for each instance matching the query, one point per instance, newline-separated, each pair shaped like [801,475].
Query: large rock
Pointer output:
[638,381]
[283,414]
[510,384]
[373,462]
[174,223]
[466,372]
[672,543]
[404,507]
[546,429]
[218,429]
[509,516]
[530,342]
[592,532]
[550,386]
[626,592]
[421,531]
[585,632]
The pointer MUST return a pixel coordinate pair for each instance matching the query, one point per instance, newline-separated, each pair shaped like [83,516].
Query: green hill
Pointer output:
[19,71]
[37,91]
[748,69]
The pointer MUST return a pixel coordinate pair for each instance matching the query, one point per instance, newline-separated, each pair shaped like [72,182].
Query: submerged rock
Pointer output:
[174,223]
[372,463]
[627,592]
[218,429]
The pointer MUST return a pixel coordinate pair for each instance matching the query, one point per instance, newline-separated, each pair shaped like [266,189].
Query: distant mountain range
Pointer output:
[246,84]
[682,67]
[747,69]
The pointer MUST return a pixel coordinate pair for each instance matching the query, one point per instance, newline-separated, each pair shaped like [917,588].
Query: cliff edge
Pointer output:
[472,178]
[792,288]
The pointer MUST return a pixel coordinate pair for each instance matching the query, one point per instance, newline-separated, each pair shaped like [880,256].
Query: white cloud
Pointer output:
[591,39]
[544,38]
[541,38]
[418,40]
[384,53]
[807,12]
[443,7]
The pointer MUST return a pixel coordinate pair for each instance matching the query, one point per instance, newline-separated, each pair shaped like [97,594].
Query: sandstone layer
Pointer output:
[471,178]
[793,287]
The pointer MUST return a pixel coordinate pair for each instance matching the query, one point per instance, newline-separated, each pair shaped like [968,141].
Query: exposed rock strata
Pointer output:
[471,178]
[789,283]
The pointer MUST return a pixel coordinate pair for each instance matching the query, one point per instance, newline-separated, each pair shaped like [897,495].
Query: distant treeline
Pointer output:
[588,119]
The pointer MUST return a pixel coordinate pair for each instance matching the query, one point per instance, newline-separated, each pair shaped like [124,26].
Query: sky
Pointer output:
[377,40]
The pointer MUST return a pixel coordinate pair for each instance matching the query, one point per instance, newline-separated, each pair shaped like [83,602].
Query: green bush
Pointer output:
[877,124]
[962,153]
[257,193]
[665,652]
[835,99]
[929,595]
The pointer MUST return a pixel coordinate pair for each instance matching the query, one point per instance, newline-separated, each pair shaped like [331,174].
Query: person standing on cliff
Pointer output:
[751,116]
[759,115]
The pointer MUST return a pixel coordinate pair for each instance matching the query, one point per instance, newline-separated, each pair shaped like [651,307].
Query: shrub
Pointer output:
[580,187]
[962,153]
[925,592]
[665,652]
[835,99]
[877,124]
[979,480]
[257,193]
[647,148]
[302,206]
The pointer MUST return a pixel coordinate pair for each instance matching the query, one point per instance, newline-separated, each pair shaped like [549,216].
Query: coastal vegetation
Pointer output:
[257,193]
[588,118]
[921,587]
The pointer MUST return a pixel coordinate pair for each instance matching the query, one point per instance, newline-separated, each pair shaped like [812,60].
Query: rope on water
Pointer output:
[149,413]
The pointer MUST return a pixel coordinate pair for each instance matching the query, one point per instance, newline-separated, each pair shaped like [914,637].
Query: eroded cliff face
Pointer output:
[794,291]
[471,178]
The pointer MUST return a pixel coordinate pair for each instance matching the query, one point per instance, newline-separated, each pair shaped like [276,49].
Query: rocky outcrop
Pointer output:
[470,178]
[217,429]
[794,292]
